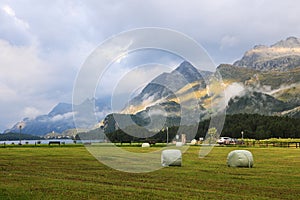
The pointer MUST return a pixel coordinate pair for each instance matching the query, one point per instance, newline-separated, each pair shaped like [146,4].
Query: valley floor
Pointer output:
[72,173]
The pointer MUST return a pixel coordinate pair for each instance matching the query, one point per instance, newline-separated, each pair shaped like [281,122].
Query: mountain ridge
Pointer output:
[283,55]
[165,85]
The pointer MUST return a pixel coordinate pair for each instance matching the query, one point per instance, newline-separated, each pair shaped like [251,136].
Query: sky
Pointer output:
[43,44]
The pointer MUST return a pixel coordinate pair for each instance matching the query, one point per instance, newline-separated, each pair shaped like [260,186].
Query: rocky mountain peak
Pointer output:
[290,42]
[185,66]
[166,85]
[61,108]
[260,46]
[281,56]
[188,71]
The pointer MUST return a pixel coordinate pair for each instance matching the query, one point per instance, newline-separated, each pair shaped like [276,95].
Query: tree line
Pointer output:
[258,127]
[17,136]
[253,126]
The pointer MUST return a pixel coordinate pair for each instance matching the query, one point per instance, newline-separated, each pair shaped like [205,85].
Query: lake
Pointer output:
[66,141]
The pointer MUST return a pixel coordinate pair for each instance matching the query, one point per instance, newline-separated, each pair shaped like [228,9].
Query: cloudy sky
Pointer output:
[43,44]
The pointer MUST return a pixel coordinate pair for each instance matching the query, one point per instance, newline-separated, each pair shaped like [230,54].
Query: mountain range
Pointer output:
[59,121]
[266,80]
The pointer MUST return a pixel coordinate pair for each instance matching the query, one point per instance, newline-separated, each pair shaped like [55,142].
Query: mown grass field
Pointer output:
[72,173]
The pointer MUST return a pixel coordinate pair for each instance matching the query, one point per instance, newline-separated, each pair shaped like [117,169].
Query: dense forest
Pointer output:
[17,136]
[254,126]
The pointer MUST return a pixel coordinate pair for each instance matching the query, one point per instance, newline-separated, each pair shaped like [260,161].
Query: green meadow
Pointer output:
[70,172]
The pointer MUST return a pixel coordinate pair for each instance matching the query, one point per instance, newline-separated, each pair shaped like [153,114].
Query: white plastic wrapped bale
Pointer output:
[145,145]
[240,158]
[171,157]
[179,144]
[193,142]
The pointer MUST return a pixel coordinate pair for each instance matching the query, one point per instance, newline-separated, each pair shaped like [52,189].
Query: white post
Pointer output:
[167,135]
[242,137]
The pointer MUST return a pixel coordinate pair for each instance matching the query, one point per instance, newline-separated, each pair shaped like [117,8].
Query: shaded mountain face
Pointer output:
[234,73]
[257,103]
[264,92]
[283,56]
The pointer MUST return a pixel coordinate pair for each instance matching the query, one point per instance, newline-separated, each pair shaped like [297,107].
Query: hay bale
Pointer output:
[171,157]
[146,145]
[240,158]
[194,141]
[179,144]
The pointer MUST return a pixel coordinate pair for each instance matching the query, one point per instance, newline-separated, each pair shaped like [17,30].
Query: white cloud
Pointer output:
[61,117]
[228,41]
[119,80]
[234,90]
[7,93]
[13,28]
[9,10]
[31,112]
[23,70]
[124,83]
[19,22]
[26,81]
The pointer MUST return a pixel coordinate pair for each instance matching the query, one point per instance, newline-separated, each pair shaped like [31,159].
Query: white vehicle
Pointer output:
[226,140]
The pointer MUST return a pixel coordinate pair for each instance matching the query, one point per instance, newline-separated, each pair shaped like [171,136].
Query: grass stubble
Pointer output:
[73,173]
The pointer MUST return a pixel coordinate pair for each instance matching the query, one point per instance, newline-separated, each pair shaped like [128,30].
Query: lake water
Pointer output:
[66,141]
